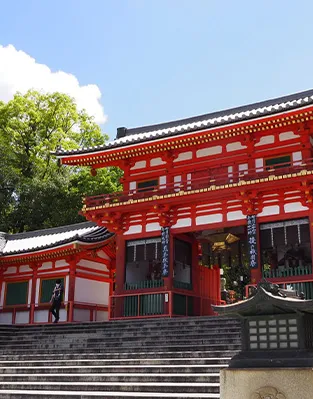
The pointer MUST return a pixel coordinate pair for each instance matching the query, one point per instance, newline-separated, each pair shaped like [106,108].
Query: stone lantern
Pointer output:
[277,346]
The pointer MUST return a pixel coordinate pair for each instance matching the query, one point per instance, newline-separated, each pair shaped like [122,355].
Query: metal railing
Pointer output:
[160,304]
[144,284]
[219,179]
[181,285]
[288,272]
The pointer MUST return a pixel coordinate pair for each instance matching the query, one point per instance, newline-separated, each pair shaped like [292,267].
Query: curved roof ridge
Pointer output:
[50,230]
[221,113]
[244,113]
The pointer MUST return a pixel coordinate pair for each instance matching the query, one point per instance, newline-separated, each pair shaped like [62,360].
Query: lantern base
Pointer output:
[276,383]
[272,359]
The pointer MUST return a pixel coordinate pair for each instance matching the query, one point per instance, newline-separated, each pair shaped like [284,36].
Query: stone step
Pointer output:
[112,377]
[186,387]
[121,334]
[147,342]
[160,358]
[117,355]
[98,338]
[27,394]
[133,348]
[68,329]
[115,362]
[158,368]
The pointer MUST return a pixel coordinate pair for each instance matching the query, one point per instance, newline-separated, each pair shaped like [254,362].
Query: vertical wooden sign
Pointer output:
[165,242]
[252,241]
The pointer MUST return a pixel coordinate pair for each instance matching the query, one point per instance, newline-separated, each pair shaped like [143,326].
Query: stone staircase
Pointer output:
[160,358]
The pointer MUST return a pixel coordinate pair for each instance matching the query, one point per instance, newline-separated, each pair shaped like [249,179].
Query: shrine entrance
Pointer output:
[188,281]
[227,249]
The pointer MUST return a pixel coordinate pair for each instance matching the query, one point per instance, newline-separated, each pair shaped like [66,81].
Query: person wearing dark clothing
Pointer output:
[56,300]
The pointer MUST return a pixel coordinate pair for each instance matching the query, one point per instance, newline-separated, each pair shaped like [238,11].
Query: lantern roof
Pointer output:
[268,299]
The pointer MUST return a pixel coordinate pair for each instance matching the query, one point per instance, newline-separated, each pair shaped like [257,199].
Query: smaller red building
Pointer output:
[82,255]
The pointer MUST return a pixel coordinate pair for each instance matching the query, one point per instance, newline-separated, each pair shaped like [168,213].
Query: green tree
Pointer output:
[35,190]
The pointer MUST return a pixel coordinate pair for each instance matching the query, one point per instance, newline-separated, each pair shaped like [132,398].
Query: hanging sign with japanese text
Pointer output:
[252,241]
[165,242]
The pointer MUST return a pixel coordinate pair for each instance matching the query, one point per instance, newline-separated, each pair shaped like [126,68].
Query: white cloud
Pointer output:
[20,72]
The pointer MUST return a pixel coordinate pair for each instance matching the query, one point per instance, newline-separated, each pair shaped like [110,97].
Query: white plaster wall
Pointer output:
[183,156]
[156,162]
[297,158]
[41,316]
[11,269]
[177,182]
[81,315]
[188,181]
[294,207]
[37,290]
[46,266]
[91,291]
[93,265]
[265,140]
[6,318]
[215,218]
[67,278]
[162,181]
[259,165]
[25,268]
[152,226]
[52,272]
[270,210]
[235,215]
[134,229]
[102,316]
[235,146]
[132,185]
[61,263]
[30,284]
[139,165]
[205,152]
[287,136]
[63,315]
[22,317]
[2,294]
[103,255]
[243,167]
[184,222]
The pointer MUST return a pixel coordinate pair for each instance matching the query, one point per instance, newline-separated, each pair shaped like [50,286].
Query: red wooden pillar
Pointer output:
[117,304]
[311,230]
[34,267]
[195,270]
[71,290]
[120,263]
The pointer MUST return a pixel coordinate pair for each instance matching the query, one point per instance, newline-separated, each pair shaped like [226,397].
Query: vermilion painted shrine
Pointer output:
[230,189]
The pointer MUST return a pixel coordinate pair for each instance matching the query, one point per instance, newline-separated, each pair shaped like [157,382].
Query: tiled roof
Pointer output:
[126,137]
[38,240]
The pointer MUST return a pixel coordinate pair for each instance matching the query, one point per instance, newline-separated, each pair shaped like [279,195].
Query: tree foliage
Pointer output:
[35,190]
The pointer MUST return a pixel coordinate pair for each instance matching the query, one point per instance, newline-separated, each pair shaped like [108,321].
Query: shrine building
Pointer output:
[81,255]
[227,190]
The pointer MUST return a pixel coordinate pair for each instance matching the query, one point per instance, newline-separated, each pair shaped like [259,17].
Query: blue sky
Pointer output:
[160,60]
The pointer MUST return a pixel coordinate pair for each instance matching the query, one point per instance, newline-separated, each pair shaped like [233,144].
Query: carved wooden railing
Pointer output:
[200,183]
